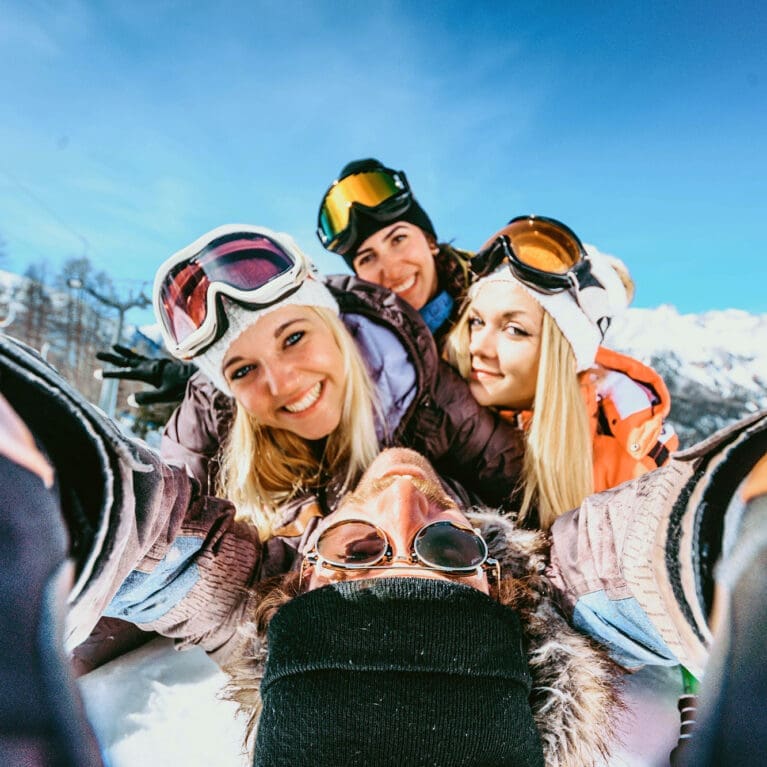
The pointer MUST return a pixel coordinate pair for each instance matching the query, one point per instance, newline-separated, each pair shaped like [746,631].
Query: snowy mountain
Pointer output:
[714,364]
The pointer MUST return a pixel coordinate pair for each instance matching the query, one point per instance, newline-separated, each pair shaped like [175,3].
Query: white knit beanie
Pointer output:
[584,322]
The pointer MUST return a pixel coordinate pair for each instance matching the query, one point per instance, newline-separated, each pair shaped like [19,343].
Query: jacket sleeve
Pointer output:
[145,543]
[636,565]
[468,442]
[195,431]
[162,555]
[194,564]
[607,560]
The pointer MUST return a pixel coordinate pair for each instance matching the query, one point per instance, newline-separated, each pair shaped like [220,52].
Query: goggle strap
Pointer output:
[487,260]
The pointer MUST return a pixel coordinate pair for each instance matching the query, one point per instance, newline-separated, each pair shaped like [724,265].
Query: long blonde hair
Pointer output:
[557,472]
[263,467]
[456,348]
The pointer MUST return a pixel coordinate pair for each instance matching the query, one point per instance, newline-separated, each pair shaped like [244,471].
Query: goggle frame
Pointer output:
[577,275]
[214,325]
[387,208]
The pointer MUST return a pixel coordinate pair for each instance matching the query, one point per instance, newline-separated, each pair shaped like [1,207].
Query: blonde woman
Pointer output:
[303,380]
[529,343]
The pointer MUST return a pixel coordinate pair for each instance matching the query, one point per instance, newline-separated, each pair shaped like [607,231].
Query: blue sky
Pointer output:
[129,129]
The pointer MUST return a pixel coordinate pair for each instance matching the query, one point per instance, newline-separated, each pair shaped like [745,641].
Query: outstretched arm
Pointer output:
[145,544]
[636,564]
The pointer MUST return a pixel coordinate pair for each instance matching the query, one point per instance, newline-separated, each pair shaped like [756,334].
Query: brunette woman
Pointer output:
[370,217]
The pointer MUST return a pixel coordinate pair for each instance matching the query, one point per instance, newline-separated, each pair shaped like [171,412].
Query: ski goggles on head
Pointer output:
[443,546]
[542,253]
[382,193]
[246,264]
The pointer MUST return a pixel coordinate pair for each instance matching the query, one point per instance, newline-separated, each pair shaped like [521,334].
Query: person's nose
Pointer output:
[481,343]
[277,376]
[403,509]
[388,269]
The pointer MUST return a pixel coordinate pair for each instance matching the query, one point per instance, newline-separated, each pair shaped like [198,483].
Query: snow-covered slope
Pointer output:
[159,707]
[715,363]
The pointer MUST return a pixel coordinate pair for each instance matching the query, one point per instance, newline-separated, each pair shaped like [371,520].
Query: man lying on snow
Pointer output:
[403,647]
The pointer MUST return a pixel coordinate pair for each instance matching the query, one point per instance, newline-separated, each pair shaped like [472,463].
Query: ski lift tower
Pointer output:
[108,396]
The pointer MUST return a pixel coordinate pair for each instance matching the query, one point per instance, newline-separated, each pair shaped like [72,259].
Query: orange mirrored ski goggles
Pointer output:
[541,252]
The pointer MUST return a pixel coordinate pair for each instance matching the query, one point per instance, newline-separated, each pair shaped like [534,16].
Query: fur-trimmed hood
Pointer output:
[575,699]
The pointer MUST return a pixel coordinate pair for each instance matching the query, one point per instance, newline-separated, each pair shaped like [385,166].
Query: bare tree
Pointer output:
[69,319]
[36,306]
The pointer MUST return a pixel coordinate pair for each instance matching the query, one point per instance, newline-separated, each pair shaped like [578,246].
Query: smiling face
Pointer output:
[399,493]
[400,257]
[287,371]
[505,325]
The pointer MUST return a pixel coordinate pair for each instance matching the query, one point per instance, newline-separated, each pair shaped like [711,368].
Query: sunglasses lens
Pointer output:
[369,189]
[352,544]
[444,545]
[238,261]
[545,245]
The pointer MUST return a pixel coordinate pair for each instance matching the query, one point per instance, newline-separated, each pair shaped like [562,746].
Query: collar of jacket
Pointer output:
[380,305]
[637,420]
[437,312]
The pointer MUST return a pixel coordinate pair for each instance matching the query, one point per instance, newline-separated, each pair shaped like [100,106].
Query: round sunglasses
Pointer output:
[442,545]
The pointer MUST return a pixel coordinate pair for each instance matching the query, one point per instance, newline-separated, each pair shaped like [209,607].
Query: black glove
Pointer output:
[169,377]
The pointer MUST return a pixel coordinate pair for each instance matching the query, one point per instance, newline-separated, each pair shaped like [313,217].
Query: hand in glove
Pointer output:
[169,377]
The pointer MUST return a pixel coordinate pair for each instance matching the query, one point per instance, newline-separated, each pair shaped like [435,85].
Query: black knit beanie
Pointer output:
[366,225]
[400,672]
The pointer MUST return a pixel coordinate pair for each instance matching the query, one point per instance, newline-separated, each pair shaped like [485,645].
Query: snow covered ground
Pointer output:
[160,707]
[156,706]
